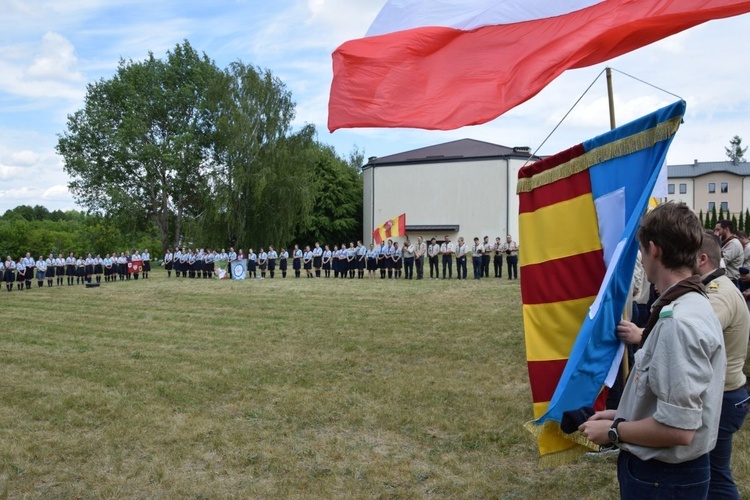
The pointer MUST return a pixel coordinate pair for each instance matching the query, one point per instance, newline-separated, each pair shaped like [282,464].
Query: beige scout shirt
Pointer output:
[729,306]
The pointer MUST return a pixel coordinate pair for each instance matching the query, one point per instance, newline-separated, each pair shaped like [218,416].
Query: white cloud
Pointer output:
[55,60]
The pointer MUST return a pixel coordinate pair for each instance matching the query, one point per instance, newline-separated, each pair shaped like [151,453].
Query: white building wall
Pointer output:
[689,197]
[471,194]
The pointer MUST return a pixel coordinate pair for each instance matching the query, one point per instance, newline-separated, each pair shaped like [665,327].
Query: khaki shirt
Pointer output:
[731,309]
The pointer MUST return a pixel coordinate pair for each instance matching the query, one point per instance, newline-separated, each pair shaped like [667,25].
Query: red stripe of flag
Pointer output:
[576,277]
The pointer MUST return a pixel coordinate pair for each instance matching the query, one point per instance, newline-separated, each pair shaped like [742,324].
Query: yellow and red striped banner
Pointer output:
[390,229]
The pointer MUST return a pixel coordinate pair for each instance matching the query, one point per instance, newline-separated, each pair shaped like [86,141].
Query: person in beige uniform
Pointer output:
[420,249]
[729,305]
[510,249]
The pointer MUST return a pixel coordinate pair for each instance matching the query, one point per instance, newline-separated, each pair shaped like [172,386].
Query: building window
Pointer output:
[725,206]
[670,188]
[711,187]
[683,188]
[724,187]
[711,206]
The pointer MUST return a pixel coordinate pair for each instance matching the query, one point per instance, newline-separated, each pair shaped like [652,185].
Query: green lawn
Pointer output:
[276,389]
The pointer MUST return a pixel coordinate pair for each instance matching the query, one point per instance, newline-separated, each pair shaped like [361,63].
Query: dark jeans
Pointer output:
[447,263]
[486,265]
[722,482]
[512,266]
[408,268]
[498,261]
[477,264]
[420,267]
[640,480]
[434,265]
[461,267]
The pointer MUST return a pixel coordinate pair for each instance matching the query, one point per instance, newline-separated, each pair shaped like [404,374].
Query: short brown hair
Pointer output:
[711,246]
[675,229]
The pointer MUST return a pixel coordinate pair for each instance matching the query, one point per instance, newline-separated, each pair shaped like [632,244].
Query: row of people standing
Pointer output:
[71,269]
[389,259]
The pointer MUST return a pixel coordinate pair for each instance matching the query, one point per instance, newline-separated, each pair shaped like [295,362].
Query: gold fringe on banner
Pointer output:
[622,147]
[580,444]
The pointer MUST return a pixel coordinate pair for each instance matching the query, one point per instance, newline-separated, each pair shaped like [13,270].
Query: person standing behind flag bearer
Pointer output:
[137,262]
[731,249]
[668,417]
[419,252]
[283,258]
[317,258]
[433,251]
[50,269]
[497,248]
[272,256]
[408,257]
[461,250]
[307,259]
[297,260]
[361,260]
[446,250]
[730,307]
[41,271]
[262,262]
[60,268]
[372,261]
[477,258]
[510,248]
[327,254]
[10,273]
[232,254]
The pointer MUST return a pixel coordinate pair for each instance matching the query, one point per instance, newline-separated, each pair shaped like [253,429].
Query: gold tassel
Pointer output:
[580,443]
[622,147]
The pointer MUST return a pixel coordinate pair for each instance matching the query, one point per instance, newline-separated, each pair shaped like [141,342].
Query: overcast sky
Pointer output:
[50,50]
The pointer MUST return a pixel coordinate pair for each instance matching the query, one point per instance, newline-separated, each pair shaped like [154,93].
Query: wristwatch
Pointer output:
[613,436]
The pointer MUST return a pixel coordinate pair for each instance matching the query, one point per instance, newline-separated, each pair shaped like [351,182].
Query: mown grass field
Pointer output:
[276,389]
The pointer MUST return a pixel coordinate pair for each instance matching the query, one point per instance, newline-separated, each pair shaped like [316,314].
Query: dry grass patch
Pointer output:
[276,389]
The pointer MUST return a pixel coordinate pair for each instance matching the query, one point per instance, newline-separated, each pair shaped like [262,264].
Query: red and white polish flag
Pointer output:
[444,64]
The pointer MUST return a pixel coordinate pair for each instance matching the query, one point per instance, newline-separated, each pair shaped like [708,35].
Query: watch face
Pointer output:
[613,437]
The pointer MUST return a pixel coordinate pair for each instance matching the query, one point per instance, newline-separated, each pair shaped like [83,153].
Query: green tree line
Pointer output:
[39,231]
[207,156]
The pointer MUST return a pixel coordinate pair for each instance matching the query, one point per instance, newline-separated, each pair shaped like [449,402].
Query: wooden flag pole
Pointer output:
[625,365]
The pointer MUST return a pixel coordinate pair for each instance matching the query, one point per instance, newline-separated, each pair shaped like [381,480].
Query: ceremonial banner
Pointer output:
[579,211]
[444,64]
[238,269]
[390,229]
[135,267]
[220,269]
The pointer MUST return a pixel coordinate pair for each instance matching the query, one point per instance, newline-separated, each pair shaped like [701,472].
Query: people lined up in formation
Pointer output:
[71,269]
[389,259]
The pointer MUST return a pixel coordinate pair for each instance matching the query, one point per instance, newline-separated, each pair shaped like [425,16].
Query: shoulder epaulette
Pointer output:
[667,311]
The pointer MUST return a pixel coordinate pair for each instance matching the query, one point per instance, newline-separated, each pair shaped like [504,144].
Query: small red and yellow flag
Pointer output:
[390,228]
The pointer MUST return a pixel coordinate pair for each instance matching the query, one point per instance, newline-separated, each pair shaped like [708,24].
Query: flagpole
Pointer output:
[610,95]
[625,365]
